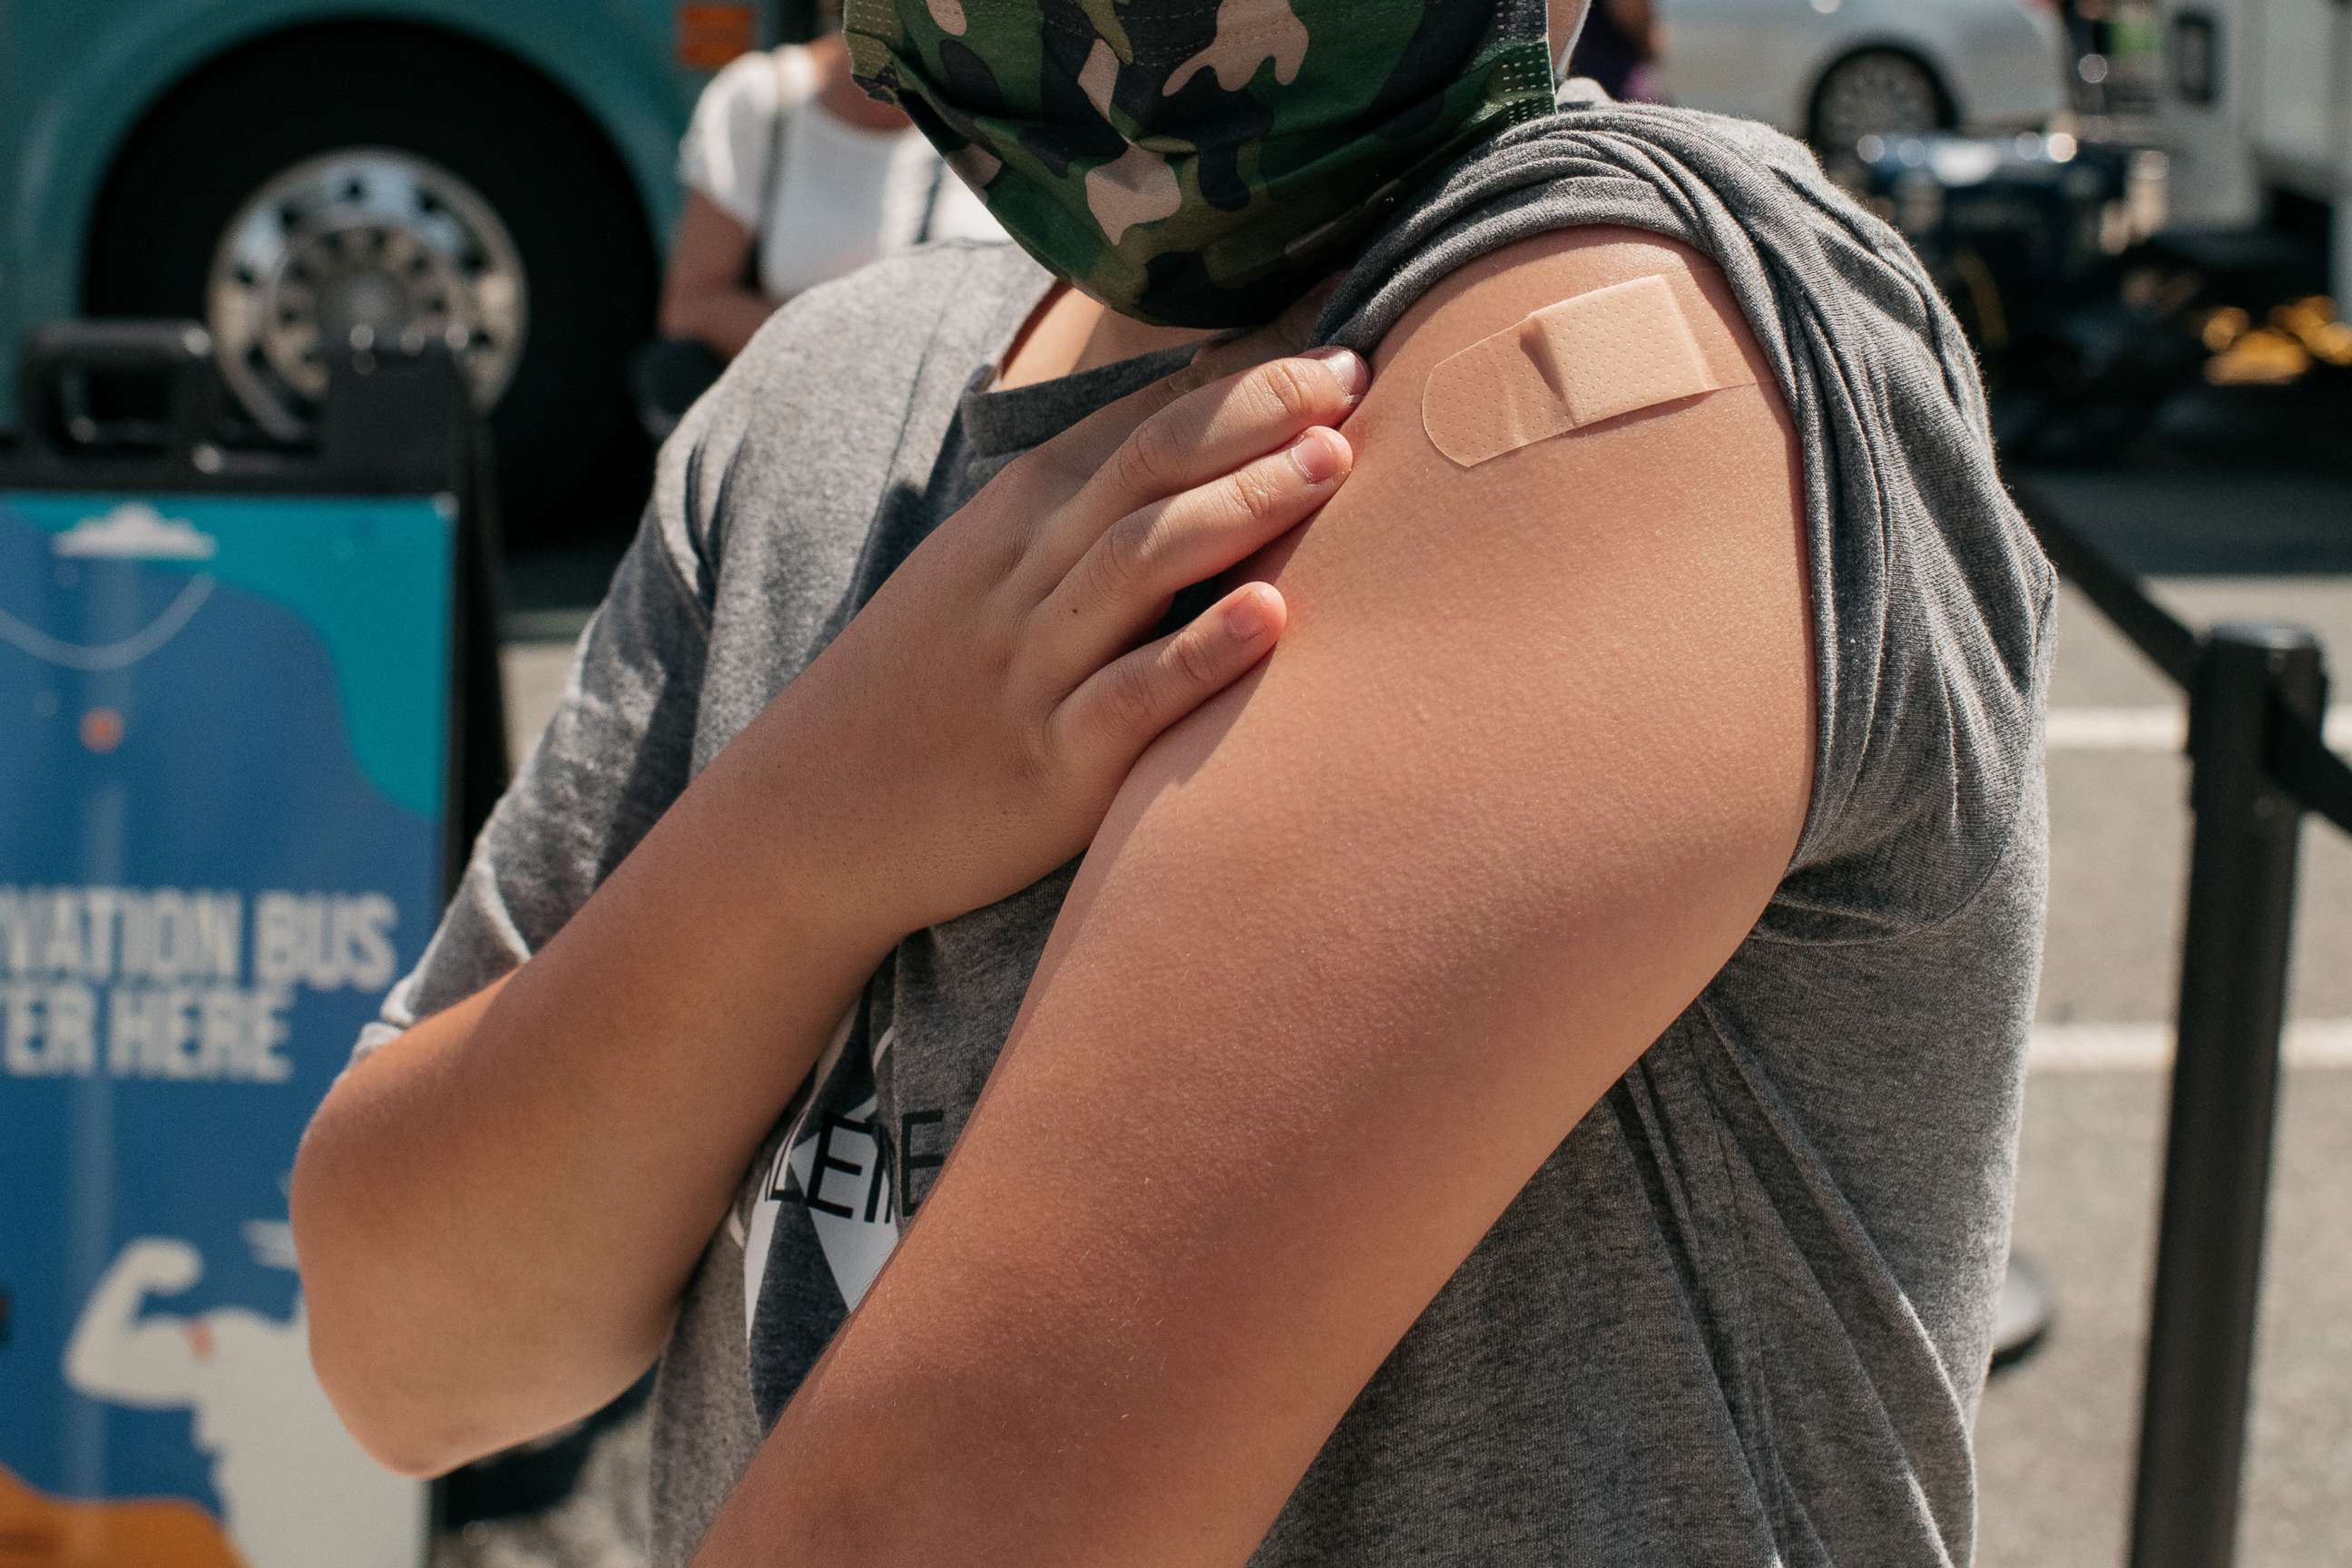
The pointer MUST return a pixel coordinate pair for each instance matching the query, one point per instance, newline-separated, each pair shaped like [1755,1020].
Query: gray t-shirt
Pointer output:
[1741,1315]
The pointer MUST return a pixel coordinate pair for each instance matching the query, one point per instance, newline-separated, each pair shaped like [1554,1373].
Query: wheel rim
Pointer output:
[367,247]
[1876,95]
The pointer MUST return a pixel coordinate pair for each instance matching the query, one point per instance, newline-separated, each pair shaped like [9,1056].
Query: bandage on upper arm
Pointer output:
[1599,356]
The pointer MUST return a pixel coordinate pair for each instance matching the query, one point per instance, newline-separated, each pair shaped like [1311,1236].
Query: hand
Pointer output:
[966,733]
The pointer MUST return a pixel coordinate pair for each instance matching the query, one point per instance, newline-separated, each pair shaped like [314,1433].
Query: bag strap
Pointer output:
[790,93]
[931,200]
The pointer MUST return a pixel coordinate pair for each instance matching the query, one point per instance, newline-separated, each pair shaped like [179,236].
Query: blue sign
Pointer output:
[223,749]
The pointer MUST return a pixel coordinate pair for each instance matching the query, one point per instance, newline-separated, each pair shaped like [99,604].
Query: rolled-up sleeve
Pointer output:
[617,752]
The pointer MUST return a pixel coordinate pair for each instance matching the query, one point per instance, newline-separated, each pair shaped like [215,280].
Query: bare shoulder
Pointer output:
[1574,351]
[1718,470]
[1495,291]
[1643,576]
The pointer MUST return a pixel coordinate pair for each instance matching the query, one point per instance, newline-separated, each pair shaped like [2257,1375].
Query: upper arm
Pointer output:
[712,251]
[1527,766]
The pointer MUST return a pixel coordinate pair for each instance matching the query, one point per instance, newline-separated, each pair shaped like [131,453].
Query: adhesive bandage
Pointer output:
[1613,352]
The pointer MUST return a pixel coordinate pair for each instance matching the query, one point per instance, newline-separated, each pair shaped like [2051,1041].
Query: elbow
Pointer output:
[419,1455]
[392,1429]
[676,316]
[409,1451]
[328,1239]
[429,1364]
[388,1408]
[381,1391]
[411,1454]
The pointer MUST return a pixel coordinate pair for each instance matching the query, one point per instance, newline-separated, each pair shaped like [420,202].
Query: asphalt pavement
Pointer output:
[2057,1434]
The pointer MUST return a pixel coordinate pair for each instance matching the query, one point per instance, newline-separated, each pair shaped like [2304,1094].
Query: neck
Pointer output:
[1070,333]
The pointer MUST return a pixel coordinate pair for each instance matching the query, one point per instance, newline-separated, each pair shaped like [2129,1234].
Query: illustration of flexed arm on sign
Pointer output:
[290,1478]
[149,1363]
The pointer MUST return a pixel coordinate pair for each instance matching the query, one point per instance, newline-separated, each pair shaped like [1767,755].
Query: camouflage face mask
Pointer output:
[1201,162]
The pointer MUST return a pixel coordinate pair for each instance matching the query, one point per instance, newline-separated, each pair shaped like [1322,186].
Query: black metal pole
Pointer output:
[2225,1096]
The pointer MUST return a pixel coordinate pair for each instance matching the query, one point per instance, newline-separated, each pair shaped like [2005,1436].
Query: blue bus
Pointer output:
[296,174]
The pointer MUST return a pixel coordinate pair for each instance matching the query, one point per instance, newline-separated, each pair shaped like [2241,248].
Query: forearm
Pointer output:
[495,1214]
[724,318]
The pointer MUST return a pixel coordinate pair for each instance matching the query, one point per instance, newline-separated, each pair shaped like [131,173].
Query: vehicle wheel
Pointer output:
[1877,92]
[388,185]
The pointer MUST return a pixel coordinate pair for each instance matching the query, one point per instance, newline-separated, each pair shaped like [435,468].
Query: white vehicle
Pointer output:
[1835,71]
[2256,104]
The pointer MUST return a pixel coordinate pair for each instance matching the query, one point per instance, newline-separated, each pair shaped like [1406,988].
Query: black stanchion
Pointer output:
[2260,762]
[2224,1093]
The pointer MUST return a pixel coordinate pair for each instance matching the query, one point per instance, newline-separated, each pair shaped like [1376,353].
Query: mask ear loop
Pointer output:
[1565,45]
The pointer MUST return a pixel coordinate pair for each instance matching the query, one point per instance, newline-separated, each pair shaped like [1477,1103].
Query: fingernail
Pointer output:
[1248,618]
[1320,454]
[1354,374]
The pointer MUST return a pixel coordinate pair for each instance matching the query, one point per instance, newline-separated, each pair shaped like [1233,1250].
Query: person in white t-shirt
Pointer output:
[792,176]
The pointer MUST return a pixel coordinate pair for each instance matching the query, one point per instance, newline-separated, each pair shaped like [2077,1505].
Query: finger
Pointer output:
[1225,423]
[1195,439]
[1091,442]
[1129,702]
[1122,586]
[1086,447]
